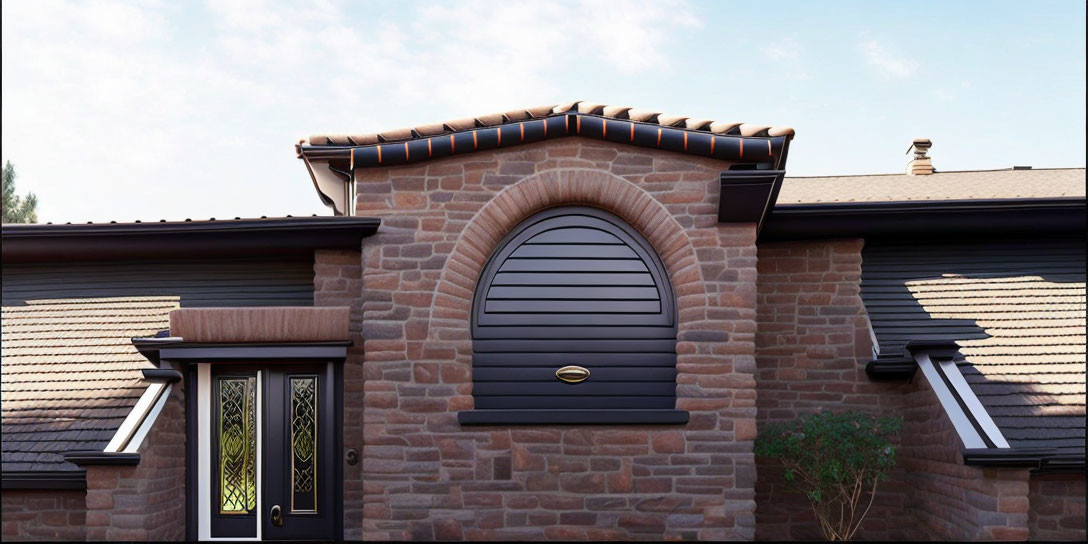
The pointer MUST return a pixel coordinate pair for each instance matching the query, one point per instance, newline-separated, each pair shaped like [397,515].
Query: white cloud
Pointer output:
[784,50]
[146,109]
[887,64]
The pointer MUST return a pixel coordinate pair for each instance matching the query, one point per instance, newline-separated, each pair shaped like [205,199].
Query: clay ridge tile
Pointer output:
[578,106]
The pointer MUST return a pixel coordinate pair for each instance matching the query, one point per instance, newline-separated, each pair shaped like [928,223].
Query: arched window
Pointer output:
[574,321]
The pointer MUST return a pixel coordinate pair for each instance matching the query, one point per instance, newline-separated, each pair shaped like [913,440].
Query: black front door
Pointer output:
[273,452]
[299,489]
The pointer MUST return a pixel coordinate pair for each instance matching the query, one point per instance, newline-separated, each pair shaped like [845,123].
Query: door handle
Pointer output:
[277,516]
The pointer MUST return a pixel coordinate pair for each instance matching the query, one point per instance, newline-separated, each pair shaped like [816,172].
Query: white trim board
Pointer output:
[139,421]
[965,411]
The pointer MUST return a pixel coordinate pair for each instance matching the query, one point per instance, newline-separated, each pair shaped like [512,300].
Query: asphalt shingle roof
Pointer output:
[71,374]
[966,185]
[1017,311]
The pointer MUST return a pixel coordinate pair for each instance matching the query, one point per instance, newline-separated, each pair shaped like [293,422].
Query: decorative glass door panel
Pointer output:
[268,467]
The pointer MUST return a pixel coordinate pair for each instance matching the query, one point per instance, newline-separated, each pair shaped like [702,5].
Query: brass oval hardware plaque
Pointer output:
[572,374]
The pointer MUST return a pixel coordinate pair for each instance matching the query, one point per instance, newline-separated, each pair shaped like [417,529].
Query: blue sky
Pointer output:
[149,110]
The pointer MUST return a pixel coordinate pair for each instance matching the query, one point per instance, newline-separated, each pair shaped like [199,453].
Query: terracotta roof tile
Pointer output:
[579,106]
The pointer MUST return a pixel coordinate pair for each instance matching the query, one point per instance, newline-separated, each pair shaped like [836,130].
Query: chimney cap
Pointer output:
[921,164]
[922,144]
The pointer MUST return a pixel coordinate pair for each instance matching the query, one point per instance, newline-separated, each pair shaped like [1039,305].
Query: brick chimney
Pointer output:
[921,165]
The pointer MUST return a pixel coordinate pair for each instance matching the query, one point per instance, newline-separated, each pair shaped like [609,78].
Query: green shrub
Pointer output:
[836,460]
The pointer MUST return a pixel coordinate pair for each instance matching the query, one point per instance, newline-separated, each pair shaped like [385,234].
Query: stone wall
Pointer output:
[811,349]
[812,346]
[954,501]
[44,515]
[147,501]
[426,477]
[1057,505]
[338,281]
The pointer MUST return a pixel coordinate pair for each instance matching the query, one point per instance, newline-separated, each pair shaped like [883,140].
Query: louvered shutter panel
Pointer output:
[574,286]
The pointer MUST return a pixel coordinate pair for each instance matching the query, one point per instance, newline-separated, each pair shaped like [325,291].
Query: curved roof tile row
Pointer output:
[626,113]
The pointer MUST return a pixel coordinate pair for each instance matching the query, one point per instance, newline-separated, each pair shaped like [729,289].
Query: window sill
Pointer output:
[572,417]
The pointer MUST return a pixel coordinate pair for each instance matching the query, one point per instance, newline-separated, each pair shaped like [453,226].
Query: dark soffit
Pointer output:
[238,237]
[921,219]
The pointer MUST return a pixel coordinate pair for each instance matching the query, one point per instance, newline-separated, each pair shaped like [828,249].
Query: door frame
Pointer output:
[192,356]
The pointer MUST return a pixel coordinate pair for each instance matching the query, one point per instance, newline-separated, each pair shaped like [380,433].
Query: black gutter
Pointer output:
[44,480]
[95,457]
[891,368]
[902,366]
[1048,460]
[920,219]
[164,375]
[942,349]
[240,237]
[746,196]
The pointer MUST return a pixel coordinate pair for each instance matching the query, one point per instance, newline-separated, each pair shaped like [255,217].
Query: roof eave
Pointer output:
[331,166]
[917,219]
[44,243]
[1046,460]
[73,480]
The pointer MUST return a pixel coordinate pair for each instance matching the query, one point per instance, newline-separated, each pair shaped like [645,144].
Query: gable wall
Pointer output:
[425,476]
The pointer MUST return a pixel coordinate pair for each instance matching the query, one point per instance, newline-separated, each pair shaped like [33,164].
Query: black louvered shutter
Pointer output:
[574,286]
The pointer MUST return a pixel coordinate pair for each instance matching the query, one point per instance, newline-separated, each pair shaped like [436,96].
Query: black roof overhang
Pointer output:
[74,480]
[1038,459]
[926,219]
[107,241]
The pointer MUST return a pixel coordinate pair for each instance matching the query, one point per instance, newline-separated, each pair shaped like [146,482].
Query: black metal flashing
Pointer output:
[1038,459]
[920,219]
[748,195]
[241,237]
[94,457]
[573,417]
[165,375]
[44,480]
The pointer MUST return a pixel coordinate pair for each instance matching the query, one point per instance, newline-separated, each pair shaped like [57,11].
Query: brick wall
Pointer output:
[812,346]
[1056,509]
[338,281]
[426,477]
[144,502]
[954,501]
[44,515]
[811,349]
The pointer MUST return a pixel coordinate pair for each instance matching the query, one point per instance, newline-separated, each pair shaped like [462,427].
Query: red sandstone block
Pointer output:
[561,502]
[1006,533]
[642,523]
[583,483]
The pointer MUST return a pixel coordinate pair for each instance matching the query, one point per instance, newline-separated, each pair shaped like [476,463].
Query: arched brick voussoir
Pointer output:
[551,188]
